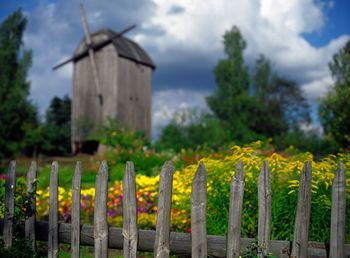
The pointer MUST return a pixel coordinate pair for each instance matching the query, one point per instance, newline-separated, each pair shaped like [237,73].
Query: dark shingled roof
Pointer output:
[126,48]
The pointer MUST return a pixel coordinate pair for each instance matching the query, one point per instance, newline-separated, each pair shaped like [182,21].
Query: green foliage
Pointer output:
[231,102]
[280,104]
[191,128]
[118,135]
[15,109]
[52,137]
[255,250]
[20,246]
[334,111]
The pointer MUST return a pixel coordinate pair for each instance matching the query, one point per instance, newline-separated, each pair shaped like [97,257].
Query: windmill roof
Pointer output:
[126,48]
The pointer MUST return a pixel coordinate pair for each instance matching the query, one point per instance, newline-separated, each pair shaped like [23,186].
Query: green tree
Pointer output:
[280,103]
[56,132]
[16,111]
[230,101]
[334,109]
[191,128]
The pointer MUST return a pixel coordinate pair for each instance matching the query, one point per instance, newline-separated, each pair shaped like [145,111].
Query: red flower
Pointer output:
[345,150]
[189,230]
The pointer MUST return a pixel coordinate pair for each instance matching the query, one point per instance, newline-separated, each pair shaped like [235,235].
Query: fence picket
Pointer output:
[76,187]
[338,213]
[264,197]
[199,212]
[302,217]
[30,222]
[10,188]
[129,212]
[53,247]
[235,212]
[161,244]
[100,212]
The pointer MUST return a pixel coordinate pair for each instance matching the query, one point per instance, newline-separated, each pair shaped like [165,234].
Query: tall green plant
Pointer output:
[15,108]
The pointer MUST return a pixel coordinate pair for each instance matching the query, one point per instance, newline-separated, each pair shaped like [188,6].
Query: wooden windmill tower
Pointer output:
[112,78]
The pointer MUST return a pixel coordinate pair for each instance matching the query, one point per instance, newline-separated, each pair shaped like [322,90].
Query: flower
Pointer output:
[3,176]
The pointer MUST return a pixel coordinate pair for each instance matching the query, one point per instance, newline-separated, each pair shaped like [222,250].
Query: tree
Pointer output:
[16,111]
[280,103]
[56,132]
[230,101]
[334,109]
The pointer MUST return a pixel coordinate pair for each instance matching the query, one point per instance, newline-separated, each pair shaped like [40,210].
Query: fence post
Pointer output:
[338,213]
[100,212]
[264,196]
[75,234]
[302,218]
[10,188]
[235,212]
[199,212]
[161,243]
[53,247]
[30,222]
[129,212]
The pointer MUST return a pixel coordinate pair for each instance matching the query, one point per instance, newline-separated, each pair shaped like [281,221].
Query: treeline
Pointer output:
[264,106]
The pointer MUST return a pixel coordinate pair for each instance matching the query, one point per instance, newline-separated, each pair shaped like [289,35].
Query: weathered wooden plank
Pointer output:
[199,212]
[235,212]
[161,244]
[76,187]
[264,199]
[129,212]
[180,243]
[30,222]
[10,188]
[100,212]
[302,217]
[53,247]
[338,213]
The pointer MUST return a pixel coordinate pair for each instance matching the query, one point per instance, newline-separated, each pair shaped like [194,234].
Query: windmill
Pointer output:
[112,78]
[90,51]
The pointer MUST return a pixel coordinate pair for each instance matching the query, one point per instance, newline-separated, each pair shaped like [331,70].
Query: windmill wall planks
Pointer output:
[125,75]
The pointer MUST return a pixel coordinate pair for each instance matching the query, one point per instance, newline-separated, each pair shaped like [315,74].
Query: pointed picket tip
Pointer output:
[239,174]
[129,170]
[168,168]
[104,167]
[340,173]
[201,172]
[265,170]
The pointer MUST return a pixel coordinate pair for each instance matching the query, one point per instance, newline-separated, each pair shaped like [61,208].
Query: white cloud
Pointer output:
[166,102]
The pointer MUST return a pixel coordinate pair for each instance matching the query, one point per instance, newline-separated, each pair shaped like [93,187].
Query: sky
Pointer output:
[184,39]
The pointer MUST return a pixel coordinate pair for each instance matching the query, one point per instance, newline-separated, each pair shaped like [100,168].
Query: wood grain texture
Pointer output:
[302,217]
[10,188]
[100,212]
[199,212]
[129,212]
[30,222]
[235,212]
[53,247]
[76,187]
[338,211]
[264,199]
[161,244]
[180,243]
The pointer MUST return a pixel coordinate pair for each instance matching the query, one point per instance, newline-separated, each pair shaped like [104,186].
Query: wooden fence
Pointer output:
[163,242]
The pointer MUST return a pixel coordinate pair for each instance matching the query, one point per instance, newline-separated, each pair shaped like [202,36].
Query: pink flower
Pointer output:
[3,176]
[345,150]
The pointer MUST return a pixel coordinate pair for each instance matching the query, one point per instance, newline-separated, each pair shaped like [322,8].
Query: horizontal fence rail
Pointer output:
[163,242]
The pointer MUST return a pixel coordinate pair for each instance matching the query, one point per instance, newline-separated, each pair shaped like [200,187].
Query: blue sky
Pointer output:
[184,39]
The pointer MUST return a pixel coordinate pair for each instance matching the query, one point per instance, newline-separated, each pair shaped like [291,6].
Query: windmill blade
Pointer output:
[91,55]
[94,47]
